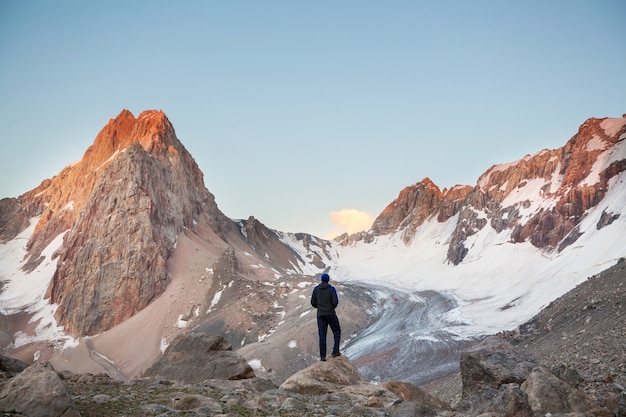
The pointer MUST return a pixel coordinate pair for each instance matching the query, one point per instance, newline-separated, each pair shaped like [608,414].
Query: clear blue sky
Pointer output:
[294,110]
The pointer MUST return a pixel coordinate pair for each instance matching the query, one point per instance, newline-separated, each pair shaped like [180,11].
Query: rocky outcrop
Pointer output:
[13,219]
[37,392]
[196,357]
[498,378]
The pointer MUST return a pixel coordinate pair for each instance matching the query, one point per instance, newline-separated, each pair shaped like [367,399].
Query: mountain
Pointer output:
[92,247]
[103,265]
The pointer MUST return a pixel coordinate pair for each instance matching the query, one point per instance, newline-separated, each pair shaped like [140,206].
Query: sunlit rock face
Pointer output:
[122,207]
[540,199]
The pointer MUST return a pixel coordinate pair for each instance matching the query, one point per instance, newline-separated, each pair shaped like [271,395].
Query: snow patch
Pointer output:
[256,364]
[25,292]
[163,344]
[182,322]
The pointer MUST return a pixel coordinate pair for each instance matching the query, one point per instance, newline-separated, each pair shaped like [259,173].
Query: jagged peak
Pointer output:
[152,129]
[428,183]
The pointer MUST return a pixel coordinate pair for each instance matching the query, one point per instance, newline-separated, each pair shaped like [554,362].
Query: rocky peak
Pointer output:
[123,206]
[408,211]
[59,200]
[553,188]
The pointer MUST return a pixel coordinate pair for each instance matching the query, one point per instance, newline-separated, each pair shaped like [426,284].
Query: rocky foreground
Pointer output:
[569,360]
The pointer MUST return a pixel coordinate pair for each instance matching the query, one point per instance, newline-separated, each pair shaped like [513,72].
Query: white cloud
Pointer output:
[350,221]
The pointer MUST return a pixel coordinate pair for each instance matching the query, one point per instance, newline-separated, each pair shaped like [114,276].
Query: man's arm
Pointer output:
[314,298]
[335,298]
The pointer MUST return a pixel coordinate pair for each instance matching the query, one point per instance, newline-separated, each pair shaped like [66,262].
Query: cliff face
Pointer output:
[122,206]
[540,199]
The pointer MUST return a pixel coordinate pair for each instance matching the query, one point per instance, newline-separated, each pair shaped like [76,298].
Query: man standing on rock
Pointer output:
[325,300]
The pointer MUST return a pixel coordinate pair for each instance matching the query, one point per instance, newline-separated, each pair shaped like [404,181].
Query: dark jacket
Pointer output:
[325,299]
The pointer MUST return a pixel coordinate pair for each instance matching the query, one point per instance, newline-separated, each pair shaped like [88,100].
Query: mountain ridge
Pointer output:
[137,213]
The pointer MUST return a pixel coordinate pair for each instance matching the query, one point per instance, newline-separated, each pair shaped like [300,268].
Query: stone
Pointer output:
[412,409]
[549,394]
[410,392]
[323,377]
[491,368]
[11,365]
[506,401]
[38,391]
[197,357]
[187,402]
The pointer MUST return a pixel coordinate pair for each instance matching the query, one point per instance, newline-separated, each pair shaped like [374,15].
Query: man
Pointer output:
[325,300]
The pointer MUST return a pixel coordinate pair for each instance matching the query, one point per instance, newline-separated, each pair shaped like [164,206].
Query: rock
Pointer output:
[12,366]
[37,392]
[101,398]
[187,402]
[323,377]
[492,367]
[409,392]
[412,409]
[549,394]
[13,219]
[154,409]
[338,375]
[507,401]
[370,395]
[197,357]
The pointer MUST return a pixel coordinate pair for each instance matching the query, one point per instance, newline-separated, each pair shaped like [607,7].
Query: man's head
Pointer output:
[325,277]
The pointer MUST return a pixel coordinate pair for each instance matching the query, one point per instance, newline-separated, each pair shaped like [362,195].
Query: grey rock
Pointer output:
[37,392]
[549,394]
[490,368]
[197,357]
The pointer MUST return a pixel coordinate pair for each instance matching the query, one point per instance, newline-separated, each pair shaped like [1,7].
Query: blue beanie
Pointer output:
[325,277]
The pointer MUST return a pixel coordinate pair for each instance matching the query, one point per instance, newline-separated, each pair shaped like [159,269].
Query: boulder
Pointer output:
[493,366]
[412,409]
[196,357]
[549,394]
[11,366]
[324,377]
[38,391]
[409,392]
[339,375]
[506,401]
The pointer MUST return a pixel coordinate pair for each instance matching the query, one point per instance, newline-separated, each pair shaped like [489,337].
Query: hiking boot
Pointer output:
[323,359]
[335,354]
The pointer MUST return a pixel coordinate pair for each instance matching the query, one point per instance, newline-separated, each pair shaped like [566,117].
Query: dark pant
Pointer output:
[322,326]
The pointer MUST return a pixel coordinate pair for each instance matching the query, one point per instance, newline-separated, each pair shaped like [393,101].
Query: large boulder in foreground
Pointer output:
[38,391]
[196,357]
[324,377]
[338,375]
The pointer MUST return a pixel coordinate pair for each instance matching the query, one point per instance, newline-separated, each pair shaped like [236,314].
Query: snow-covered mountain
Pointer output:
[122,250]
